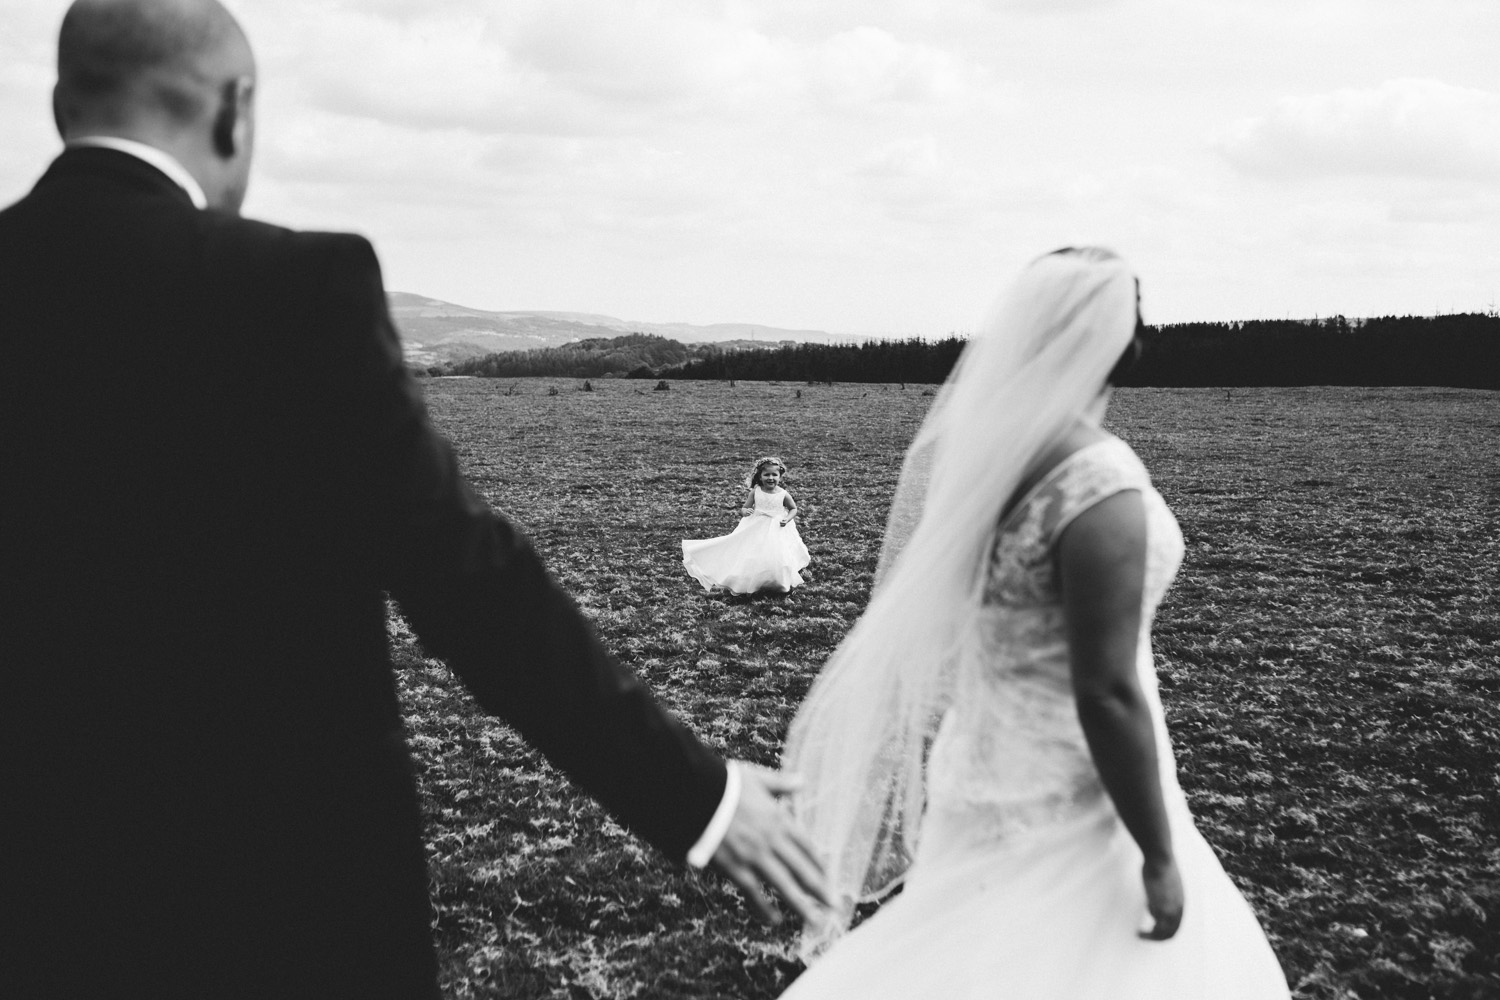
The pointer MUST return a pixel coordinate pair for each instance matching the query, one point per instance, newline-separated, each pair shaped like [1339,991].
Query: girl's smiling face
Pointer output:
[770,478]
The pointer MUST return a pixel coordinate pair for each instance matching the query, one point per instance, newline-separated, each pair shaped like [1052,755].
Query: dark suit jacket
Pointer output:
[213,465]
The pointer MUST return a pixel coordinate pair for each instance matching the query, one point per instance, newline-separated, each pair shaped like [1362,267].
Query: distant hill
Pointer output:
[434,332]
[640,353]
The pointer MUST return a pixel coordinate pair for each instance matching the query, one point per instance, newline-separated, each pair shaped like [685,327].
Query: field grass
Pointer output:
[1330,660]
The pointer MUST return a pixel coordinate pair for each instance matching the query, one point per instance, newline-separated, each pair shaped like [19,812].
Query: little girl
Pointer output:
[764,552]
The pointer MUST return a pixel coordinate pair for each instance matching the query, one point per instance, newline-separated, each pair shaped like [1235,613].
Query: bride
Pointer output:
[989,735]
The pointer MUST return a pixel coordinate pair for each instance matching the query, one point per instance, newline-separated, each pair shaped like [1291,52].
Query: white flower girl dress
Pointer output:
[760,554]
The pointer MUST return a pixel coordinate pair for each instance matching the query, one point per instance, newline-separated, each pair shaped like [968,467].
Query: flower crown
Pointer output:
[760,464]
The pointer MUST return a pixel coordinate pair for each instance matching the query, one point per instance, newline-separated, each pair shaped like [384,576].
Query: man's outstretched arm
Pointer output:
[480,598]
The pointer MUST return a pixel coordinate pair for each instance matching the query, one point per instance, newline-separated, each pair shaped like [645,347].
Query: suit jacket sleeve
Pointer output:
[478,595]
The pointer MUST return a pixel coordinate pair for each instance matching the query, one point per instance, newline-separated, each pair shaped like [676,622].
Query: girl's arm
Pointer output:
[1101,558]
[749,507]
[791,507]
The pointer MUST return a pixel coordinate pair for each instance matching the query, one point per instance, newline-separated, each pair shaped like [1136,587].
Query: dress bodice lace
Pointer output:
[1010,755]
[772,504]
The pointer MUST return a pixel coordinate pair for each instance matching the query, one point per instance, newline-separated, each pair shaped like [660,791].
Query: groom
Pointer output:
[213,466]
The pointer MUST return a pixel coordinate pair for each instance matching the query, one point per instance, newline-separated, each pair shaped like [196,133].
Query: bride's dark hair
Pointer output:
[1130,356]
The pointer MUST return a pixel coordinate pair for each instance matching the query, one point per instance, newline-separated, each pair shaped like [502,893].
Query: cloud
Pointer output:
[643,57]
[26,77]
[335,171]
[444,71]
[1049,6]
[915,158]
[1441,208]
[870,66]
[319,147]
[911,179]
[558,68]
[1402,128]
[580,68]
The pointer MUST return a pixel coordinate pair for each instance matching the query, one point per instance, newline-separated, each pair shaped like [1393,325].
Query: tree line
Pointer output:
[1460,350]
[912,360]
[597,357]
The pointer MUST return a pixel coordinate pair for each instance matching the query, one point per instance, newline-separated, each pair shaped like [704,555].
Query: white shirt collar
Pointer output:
[164,162]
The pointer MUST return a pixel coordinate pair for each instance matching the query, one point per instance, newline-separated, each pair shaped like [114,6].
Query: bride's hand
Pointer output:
[1164,899]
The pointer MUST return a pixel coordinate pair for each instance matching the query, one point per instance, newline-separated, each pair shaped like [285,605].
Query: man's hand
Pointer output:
[763,842]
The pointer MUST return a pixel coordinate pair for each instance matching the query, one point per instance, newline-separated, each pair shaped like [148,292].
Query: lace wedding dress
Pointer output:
[1025,883]
[760,554]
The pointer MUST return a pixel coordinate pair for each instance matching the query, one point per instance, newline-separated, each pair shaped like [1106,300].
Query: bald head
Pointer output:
[176,74]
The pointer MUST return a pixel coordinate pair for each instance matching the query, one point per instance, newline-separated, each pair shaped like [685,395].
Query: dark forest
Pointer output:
[1460,350]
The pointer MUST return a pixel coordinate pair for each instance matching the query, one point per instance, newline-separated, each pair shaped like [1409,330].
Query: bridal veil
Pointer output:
[860,739]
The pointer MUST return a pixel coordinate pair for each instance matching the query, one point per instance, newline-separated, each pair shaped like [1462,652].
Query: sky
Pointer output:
[867,166]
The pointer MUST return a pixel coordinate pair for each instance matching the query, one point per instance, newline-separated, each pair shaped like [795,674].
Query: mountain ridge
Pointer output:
[435,332]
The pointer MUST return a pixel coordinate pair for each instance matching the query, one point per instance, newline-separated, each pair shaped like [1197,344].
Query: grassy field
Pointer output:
[1330,659]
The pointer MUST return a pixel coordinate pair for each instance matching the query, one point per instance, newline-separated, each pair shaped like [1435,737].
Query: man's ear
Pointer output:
[231,130]
[57,112]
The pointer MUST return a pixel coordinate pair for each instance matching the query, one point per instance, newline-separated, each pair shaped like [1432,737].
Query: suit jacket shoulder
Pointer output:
[323,284]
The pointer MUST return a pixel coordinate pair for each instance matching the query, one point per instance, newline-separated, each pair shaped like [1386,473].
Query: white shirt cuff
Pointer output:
[702,852]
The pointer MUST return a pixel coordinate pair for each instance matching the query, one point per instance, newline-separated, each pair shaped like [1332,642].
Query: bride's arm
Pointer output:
[1101,559]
